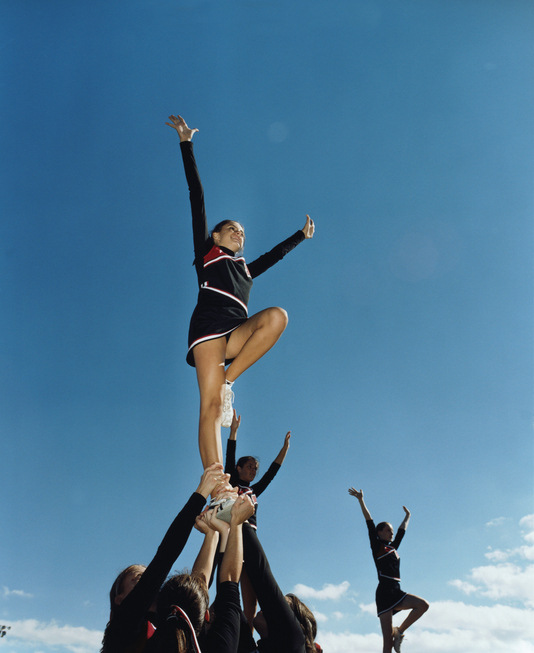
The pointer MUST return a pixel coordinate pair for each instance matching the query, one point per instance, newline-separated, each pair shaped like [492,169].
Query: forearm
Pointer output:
[203,565]
[365,511]
[278,252]
[281,456]
[232,561]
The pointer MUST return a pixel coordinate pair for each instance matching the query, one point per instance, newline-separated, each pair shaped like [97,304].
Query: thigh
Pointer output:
[409,602]
[209,364]
[239,336]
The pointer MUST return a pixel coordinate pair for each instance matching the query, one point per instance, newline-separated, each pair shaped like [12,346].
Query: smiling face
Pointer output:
[231,235]
[247,473]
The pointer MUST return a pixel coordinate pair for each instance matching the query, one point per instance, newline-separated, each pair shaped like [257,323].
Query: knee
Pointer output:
[278,318]
[425,605]
[212,406]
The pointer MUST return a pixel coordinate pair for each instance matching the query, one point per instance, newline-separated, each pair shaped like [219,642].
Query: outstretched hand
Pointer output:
[356,493]
[236,423]
[309,227]
[184,132]
[287,439]
[408,513]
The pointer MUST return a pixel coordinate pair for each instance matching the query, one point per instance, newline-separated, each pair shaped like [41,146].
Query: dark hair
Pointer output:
[115,590]
[190,593]
[381,526]
[306,620]
[234,477]
[217,229]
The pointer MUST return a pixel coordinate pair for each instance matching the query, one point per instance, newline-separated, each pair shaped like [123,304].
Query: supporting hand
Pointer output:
[212,478]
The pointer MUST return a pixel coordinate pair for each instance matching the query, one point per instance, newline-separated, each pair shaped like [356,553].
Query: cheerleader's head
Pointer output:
[384,531]
[229,234]
[188,592]
[247,468]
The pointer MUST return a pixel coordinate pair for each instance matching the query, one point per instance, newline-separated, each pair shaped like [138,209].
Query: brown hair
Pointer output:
[190,593]
[306,619]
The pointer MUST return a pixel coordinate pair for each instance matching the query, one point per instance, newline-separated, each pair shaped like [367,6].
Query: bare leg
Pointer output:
[386,623]
[250,341]
[417,607]
[246,345]
[209,363]
[249,599]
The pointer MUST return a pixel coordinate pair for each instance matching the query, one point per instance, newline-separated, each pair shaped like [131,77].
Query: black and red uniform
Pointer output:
[224,279]
[253,490]
[387,561]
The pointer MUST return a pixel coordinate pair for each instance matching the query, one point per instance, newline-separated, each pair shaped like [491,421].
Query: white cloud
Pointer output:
[320,617]
[448,627]
[466,588]
[504,579]
[497,521]
[51,634]
[7,592]
[329,591]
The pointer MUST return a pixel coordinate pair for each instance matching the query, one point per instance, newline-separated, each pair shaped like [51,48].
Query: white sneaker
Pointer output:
[225,510]
[397,639]
[228,409]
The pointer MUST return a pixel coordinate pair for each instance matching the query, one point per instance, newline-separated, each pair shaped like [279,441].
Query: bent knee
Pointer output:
[278,318]
[425,605]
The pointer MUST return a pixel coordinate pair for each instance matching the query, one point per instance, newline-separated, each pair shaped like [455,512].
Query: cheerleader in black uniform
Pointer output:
[221,333]
[389,596]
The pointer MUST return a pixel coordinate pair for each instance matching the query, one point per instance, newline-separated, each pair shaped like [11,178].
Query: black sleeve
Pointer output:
[276,254]
[373,540]
[264,481]
[285,633]
[196,197]
[132,611]
[398,538]
[223,635]
[230,457]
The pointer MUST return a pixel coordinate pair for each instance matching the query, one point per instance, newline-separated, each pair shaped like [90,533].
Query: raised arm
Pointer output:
[232,561]
[264,262]
[406,519]
[196,191]
[229,466]
[359,495]
[283,451]
[203,565]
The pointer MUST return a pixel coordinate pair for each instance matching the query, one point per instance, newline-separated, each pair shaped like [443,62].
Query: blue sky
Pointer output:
[405,130]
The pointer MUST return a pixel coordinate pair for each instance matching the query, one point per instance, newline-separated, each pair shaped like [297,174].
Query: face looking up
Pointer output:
[231,236]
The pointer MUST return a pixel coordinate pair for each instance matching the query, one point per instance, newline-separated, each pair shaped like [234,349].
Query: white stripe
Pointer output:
[226,294]
[220,258]
[212,336]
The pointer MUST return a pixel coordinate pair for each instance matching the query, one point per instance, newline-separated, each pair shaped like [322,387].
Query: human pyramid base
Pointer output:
[153,613]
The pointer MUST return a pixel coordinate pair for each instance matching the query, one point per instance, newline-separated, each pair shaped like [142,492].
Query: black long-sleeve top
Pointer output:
[385,554]
[127,630]
[256,488]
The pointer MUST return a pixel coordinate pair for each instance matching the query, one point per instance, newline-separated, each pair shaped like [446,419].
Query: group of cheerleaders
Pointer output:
[152,614]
